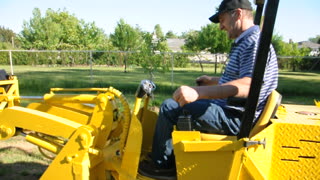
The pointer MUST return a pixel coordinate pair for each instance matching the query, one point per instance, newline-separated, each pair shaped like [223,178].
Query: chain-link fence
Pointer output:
[297,63]
[164,61]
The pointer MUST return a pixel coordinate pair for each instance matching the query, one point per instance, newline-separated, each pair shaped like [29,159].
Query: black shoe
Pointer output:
[150,169]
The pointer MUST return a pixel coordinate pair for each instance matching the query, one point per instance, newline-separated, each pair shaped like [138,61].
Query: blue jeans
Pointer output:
[207,117]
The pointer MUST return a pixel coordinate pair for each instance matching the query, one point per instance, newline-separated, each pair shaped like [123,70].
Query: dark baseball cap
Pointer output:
[228,5]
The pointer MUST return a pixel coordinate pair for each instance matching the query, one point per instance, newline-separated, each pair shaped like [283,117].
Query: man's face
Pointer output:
[228,23]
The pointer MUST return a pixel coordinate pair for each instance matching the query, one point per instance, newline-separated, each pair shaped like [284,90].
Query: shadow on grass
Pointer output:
[299,87]
[19,169]
[38,82]
[310,74]
[22,170]
[20,159]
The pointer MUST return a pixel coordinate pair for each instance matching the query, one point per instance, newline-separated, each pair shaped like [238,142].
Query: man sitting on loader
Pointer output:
[208,103]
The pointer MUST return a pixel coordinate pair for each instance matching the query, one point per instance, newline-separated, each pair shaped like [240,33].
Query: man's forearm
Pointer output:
[237,88]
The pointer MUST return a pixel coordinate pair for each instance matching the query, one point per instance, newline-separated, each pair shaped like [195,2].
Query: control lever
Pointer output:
[146,87]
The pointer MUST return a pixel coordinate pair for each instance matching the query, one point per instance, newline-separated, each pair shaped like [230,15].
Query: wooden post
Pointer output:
[10,59]
[216,63]
[91,73]
[172,65]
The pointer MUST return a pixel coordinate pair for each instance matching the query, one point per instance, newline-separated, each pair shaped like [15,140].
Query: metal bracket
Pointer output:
[251,143]
[145,87]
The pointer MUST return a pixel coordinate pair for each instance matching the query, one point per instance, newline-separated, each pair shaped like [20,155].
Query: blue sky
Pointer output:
[297,19]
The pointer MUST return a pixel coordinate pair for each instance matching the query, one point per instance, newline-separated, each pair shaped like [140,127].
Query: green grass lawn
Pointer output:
[296,87]
[299,87]
[21,160]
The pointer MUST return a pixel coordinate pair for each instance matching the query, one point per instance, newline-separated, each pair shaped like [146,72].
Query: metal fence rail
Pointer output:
[120,58]
[91,57]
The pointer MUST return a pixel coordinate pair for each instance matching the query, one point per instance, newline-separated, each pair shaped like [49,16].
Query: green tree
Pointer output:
[298,54]
[315,39]
[209,38]
[7,38]
[278,44]
[170,35]
[213,39]
[126,38]
[60,30]
[289,49]
[193,44]
[160,43]
[93,38]
[192,41]
[150,58]
[158,31]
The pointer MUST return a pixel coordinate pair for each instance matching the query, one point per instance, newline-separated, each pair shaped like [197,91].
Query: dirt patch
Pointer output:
[18,142]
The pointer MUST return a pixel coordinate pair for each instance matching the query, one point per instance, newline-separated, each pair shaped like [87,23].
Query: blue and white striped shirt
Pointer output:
[241,63]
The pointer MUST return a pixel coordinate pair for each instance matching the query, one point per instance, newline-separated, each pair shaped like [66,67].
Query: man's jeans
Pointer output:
[207,117]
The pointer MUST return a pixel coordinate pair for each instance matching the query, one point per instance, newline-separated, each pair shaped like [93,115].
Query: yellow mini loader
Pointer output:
[92,133]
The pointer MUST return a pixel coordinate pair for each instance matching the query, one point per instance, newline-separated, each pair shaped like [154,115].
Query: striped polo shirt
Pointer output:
[241,63]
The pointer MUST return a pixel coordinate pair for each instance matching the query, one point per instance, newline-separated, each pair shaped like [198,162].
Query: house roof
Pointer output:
[175,44]
[309,44]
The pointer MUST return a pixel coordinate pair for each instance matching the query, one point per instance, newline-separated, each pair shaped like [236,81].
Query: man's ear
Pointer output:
[237,13]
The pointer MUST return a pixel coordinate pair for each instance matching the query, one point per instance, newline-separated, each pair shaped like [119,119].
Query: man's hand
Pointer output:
[185,94]
[207,80]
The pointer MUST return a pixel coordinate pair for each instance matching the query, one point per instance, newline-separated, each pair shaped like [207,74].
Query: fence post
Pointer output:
[216,64]
[91,73]
[172,65]
[11,64]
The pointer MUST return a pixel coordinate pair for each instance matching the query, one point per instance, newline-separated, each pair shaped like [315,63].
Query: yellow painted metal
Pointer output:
[261,156]
[38,121]
[250,170]
[43,143]
[271,106]
[9,96]
[222,159]
[78,107]
[296,148]
[98,90]
[217,137]
[73,161]
[197,159]
[148,120]
[131,153]
[137,105]
[100,142]
[317,103]
[73,98]
[62,111]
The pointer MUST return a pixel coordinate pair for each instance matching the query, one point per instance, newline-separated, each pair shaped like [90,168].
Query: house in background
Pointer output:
[175,45]
[315,48]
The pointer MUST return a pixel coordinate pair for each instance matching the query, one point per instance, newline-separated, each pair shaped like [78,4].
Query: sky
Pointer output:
[297,20]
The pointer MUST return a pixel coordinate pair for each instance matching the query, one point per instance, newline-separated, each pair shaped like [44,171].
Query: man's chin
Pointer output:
[231,37]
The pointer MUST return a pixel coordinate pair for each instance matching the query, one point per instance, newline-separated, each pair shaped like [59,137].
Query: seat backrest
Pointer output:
[4,76]
[268,112]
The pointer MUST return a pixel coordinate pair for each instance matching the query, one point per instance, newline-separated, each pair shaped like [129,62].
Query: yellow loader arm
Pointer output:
[87,132]
[317,103]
